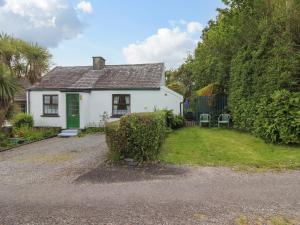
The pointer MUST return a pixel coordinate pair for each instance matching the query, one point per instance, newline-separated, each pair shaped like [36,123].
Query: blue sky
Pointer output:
[122,31]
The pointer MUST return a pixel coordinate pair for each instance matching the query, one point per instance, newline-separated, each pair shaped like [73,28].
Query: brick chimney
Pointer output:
[98,63]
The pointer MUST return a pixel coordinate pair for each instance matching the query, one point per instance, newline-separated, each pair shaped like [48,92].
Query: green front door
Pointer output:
[73,116]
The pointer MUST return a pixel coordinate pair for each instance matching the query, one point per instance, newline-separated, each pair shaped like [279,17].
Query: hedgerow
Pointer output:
[278,118]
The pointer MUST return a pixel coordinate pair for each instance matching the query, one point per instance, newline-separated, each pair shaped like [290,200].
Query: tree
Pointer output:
[8,87]
[24,59]
[19,59]
[182,80]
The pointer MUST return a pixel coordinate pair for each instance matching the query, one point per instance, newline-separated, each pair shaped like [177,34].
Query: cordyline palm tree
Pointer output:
[24,59]
[37,62]
[8,87]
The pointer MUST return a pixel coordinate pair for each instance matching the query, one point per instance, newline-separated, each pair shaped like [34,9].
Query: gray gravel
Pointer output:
[73,190]
[51,160]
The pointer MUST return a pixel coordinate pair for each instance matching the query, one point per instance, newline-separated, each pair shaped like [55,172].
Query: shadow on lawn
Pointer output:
[122,172]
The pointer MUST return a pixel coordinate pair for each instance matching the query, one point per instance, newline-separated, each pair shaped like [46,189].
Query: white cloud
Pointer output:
[194,27]
[169,45]
[47,22]
[85,7]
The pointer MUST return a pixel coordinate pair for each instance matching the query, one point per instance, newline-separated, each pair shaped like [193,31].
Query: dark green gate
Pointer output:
[213,105]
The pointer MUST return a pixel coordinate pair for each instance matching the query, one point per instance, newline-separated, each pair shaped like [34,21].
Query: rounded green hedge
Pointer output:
[138,135]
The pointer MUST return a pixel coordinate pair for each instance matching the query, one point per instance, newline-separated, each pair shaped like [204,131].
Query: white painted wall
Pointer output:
[35,108]
[95,103]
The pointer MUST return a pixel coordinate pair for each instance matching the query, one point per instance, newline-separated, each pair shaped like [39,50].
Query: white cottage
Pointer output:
[78,97]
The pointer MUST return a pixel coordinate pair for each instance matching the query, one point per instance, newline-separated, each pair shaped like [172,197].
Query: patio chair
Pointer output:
[224,119]
[204,118]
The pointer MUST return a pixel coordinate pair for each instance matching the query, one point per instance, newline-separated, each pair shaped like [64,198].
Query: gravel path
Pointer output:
[75,190]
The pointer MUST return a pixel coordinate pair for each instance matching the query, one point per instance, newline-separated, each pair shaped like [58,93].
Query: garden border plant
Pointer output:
[24,133]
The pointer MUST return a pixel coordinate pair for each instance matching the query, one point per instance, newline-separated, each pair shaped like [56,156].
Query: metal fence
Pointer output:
[213,105]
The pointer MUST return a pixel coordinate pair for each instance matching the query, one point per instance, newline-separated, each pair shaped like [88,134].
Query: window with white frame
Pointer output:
[120,105]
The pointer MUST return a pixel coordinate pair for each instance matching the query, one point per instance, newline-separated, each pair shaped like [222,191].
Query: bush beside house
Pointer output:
[138,135]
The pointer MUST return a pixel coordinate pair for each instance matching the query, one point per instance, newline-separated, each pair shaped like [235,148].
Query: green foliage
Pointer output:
[34,134]
[178,122]
[91,130]
[12,110]
[2,136]
[251,50]
[8,84]
[8,87]
[4,142]
[278,119]
[115,140]
[173,121]
[138,135]
[22,58]
[18,59]
[177,87]
[182,79]
[210,90]
[22,120]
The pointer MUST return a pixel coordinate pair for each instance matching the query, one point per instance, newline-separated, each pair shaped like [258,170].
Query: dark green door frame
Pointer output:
[73,110]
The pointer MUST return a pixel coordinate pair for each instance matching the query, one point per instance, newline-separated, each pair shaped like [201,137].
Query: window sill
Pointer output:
[50,115]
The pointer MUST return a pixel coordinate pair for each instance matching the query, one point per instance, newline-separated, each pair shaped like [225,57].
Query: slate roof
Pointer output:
[137,76]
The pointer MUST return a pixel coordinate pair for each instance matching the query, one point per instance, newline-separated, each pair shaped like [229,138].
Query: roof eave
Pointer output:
[92,89]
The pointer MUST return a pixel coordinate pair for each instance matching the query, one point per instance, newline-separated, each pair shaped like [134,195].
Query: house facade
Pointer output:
[79,97]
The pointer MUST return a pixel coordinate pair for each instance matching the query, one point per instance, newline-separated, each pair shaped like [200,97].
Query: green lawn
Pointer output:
[225,147]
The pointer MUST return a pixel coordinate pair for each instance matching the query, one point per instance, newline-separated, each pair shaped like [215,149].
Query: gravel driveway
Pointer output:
[62,181]
[52,160]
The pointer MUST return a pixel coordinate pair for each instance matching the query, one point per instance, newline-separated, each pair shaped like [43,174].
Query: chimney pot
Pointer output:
[98,63]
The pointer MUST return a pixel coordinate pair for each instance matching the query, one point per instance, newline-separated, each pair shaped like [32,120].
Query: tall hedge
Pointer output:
[278,118]
[138,135]
[252,49]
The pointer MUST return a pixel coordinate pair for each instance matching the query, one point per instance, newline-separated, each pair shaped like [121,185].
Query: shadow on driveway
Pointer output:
[121,172]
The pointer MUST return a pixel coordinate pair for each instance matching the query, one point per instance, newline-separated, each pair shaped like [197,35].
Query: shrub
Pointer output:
[278,119]
[173,121]
[22,120]
[178,122]
[138,135]
[4,142]
[34,134]
[114,139]
[2,136]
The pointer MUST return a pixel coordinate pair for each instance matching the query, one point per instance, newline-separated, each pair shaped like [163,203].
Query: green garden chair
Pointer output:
[204,118]
[224,119]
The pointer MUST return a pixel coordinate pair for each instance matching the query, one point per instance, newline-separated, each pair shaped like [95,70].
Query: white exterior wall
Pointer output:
[95,103]
[35,108]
